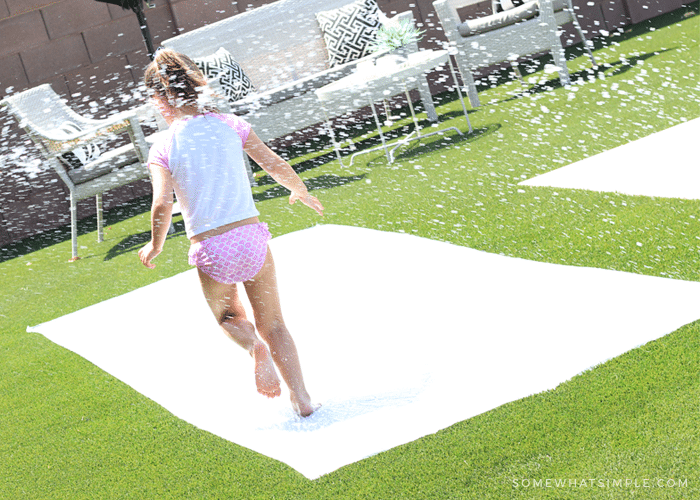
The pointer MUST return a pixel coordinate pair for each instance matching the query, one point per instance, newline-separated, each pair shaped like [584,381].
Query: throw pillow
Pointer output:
[79,156]
[349,30]
[503,5]
[221,66]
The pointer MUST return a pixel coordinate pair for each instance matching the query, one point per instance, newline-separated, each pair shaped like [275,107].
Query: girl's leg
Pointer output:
[227,308]
[264,297]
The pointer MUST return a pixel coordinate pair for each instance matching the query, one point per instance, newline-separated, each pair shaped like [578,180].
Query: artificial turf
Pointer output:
[69,430]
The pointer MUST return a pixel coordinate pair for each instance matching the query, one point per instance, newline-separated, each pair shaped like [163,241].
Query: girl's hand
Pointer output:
[308,200]
[147,254]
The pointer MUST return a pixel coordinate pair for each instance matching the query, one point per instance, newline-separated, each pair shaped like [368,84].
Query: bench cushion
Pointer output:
[107,162]
[508,17]
[502,5]
[80,155]
[349,30]
[232,80]
[298,88]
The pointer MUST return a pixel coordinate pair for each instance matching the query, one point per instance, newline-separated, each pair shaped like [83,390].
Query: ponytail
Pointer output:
[177,78]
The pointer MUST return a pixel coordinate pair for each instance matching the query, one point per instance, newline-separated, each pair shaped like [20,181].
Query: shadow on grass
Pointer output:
[363,134]
[302,166]
[437,142]
[320,182]
[135,241]
[86,225]
[584,74]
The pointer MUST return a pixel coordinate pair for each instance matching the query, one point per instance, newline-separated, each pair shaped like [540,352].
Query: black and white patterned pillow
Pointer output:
[349,30]
[221,66]
[79,156]
[503,5]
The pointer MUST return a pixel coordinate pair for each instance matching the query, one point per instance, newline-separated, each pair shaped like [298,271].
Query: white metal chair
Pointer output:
[525,30]
[56,130]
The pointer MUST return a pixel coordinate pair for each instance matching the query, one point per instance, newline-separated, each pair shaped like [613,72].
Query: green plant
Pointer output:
[393,36]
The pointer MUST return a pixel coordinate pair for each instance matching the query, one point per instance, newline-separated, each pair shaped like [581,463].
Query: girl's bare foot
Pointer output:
[303,406]
[266,379]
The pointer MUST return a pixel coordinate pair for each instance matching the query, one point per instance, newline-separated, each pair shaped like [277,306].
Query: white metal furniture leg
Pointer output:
[379,127]
[413,114]
[427,99]
[336,146]
[249,169]
[560,61]
[381,136]
[100,221]
[74,227]
[459,92]
[467,79]
[585,42]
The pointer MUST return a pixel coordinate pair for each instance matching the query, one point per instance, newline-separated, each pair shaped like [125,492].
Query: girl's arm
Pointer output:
[281,171]
[161,214]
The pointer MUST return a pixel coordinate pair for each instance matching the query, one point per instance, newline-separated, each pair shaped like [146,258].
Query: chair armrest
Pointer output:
[546,11]
[138,138]
[448,17]
[93,124]
[58,144]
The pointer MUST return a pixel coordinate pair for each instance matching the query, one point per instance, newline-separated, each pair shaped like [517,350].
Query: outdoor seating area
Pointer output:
[283,79]
[567,309]
[280,64]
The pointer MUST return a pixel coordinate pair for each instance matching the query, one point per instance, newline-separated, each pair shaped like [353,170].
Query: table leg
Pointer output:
[384,146]
[379,127]
[390,148]
[100,222]
[336,146]
[459,92]
[413,113]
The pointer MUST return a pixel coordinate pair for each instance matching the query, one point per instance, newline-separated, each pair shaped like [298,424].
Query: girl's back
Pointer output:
[204,155]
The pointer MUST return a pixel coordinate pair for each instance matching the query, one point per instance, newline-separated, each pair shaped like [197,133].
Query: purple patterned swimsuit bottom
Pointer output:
[234,256]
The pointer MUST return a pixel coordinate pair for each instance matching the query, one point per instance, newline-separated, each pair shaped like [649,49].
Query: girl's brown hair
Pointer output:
[175,77]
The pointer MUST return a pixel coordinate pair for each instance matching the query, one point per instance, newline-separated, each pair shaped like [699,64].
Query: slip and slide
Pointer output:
[399,336]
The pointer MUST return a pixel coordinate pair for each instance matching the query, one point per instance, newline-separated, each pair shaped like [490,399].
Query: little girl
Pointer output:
[201,159]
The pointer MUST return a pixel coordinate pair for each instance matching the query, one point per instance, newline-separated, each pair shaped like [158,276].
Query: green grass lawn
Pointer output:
[68,430]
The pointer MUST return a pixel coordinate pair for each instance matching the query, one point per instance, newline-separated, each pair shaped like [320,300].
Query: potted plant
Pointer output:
[393,38]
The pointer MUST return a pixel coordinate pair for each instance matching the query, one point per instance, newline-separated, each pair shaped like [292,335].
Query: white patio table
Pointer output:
[385,78]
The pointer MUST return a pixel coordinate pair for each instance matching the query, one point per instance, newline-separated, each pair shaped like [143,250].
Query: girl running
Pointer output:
[201,159]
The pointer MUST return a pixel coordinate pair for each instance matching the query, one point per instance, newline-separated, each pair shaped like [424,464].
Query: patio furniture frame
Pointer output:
[538,34]
[280,47]
[40,112]
[372,83]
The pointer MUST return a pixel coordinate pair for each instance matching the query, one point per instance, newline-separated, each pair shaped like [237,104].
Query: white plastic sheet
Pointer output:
[663,164]
[399,337]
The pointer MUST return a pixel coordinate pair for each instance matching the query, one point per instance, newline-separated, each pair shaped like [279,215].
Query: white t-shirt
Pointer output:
[204,154]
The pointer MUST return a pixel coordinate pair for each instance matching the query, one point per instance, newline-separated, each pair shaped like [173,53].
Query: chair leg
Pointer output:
[516,71]
[560,62]
[100,221]
[427,99]
[585,42]
[468,80]
[387,111]
[74,227]
[176,210]
[249,170]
